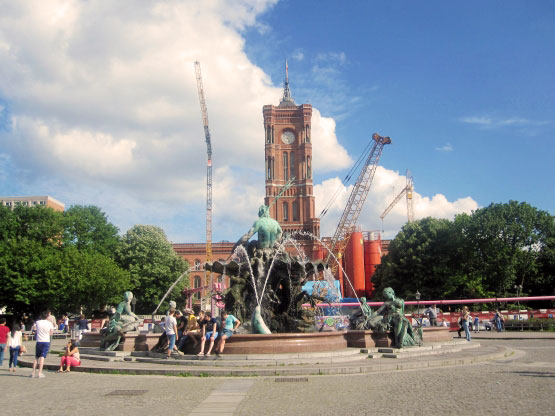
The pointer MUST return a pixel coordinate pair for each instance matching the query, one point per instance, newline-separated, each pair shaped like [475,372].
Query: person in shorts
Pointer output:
[171,331]
[229,324]
[210,331]
[44,329]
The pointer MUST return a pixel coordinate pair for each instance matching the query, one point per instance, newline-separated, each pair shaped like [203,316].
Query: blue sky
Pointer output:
[466,92]
[98,104]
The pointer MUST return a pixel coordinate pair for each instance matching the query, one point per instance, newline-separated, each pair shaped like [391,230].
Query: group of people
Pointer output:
[180,327]
[10,339]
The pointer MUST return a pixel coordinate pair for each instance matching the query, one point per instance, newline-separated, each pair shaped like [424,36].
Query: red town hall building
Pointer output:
[289,192]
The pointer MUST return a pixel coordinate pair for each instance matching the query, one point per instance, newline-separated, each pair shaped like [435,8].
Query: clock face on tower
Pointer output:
[287,137]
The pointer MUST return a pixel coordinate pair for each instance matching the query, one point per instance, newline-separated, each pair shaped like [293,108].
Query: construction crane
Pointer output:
[209,163]
[406,191]
[357,198]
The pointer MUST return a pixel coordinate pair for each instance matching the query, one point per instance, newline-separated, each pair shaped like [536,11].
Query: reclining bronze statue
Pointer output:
[122,321]
[389,317]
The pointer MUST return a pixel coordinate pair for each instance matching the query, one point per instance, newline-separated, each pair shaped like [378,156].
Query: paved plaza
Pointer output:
[523,383]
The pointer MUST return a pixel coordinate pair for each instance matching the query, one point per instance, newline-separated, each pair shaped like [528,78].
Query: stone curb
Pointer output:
[473,355]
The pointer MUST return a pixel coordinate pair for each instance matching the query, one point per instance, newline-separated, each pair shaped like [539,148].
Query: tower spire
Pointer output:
[287,99]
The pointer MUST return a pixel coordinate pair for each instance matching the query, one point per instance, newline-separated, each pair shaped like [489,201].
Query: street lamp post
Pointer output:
[518,289]
[417,295]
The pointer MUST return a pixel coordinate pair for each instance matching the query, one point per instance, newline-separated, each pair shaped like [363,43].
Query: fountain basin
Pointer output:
[285,343]
[131,341]
[369,339]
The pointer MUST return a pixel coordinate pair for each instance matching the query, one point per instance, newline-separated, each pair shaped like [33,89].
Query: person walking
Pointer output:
[476,324]
[465,316]
[229,324]
[497,319]
[83,326]
[44,333]
[432,315]
[171,331]
[70,358]
[4,330]
[14,344]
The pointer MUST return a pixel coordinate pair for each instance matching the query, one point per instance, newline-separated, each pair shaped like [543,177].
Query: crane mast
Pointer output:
[209,163]
[407,192]
[358,196]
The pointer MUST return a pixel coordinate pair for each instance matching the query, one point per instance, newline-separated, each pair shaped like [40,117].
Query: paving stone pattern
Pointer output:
[522,384]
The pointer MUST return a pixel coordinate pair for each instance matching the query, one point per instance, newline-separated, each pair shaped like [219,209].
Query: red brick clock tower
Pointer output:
[288,154]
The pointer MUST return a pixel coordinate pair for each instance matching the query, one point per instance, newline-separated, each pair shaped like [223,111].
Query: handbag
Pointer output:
[22,349]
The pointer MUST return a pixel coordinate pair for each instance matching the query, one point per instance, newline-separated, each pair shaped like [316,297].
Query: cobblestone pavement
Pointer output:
[523,384]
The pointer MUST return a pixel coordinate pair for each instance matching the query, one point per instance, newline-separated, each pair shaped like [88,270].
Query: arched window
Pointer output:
[268,134]
[308,168]
[292,164]
[196,285]
[285,206]
[197,264]
[285,166]
[269,168]
[308,133]
[295,211]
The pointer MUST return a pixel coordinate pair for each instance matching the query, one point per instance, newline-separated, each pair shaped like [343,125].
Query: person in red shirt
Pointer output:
[3,338]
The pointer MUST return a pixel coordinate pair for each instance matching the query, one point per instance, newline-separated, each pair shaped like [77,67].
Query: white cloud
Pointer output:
[387,184]
[298,55]
[488,122]
[447,147]
[103,98]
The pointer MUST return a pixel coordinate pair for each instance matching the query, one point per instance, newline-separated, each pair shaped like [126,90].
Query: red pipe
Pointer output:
[446,302]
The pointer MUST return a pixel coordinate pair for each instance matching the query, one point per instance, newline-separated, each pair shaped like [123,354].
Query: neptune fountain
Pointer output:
[266,282]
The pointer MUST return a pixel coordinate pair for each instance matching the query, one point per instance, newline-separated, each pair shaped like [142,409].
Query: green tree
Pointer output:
[153,265]
[484,254]
[425,256]
[504,242]
[39,271]
[92,280]
[87,227]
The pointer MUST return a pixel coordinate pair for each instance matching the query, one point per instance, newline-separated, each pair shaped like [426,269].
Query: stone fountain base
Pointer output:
[132,341]
[285,343]
[277,343]
[370,339]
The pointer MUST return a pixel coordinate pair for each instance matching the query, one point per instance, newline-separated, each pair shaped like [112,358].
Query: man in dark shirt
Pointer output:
[83,325]
[210,331]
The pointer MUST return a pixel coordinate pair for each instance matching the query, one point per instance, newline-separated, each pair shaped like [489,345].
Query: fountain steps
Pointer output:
[420,351]
[349,355]
[356,362]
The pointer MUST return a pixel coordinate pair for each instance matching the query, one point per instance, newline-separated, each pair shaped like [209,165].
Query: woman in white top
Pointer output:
[14,343]
[70,358]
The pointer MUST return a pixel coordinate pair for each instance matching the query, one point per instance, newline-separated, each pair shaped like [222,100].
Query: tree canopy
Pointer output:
[483,254]
[152,264]
[47,262]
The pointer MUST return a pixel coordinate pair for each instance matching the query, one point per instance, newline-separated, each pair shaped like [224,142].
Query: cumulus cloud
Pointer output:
[104,109]
[387,184]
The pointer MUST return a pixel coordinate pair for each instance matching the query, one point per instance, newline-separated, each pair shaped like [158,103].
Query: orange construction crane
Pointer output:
[357,198]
